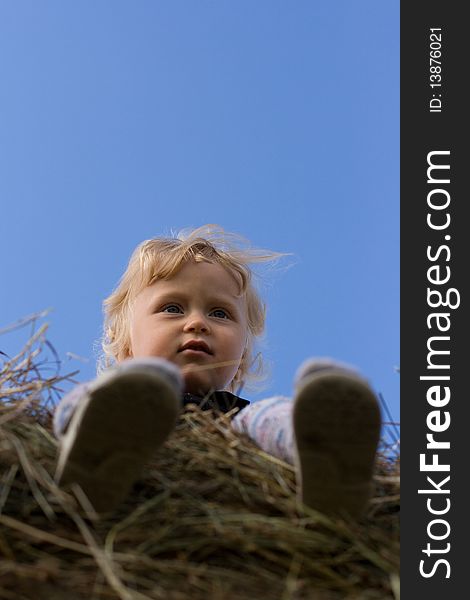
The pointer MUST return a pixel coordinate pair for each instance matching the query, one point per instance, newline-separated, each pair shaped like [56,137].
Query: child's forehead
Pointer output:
[210,275]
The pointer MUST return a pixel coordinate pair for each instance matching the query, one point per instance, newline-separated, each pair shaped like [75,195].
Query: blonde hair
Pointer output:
[162,258]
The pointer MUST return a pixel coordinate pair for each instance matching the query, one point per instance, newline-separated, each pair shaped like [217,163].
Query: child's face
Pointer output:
[195,319]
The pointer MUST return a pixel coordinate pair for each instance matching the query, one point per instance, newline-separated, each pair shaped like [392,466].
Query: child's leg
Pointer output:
[269,424]
[110,427]
[330,432]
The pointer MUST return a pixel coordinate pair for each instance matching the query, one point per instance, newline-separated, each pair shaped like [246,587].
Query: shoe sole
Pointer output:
[337,425]
[113,433]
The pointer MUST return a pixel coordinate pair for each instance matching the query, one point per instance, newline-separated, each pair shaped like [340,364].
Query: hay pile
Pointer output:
[212,518]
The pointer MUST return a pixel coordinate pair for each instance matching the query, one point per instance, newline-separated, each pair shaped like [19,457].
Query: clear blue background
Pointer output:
[123,120]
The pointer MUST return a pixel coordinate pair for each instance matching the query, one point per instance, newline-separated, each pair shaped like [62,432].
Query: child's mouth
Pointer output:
[195,347]
[194,353]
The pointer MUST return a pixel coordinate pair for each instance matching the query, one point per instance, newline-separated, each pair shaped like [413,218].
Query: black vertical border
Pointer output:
[421,132]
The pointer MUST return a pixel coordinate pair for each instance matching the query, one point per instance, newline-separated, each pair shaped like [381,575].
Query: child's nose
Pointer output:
[197,322]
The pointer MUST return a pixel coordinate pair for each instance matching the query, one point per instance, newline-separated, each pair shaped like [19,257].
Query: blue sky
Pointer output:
[121,121]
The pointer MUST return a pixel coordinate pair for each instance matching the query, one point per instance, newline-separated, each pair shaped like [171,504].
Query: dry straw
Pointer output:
[212,517]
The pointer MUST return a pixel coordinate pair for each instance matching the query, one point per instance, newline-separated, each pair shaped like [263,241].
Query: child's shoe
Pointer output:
[122,418]
[337,424]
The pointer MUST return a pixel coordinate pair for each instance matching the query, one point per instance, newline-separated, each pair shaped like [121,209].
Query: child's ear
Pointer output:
[126,353]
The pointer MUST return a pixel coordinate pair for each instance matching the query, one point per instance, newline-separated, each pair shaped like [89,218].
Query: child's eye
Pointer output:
[172,309]
[219,313]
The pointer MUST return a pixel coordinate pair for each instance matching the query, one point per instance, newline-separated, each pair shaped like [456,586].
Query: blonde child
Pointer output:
[180,327]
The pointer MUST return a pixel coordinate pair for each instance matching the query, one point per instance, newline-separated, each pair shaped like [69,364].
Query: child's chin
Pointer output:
[197,384]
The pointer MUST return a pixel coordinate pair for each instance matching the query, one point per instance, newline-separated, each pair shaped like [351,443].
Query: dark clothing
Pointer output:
[223,401]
